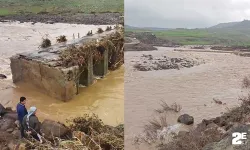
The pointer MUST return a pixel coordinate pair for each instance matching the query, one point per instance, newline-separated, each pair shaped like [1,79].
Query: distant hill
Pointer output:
[232,33]
[233,25]
[146,28]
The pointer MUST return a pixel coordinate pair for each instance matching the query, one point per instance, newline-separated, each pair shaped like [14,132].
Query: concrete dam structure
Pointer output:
[60,77]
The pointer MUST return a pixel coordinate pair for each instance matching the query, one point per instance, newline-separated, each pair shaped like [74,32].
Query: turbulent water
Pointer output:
[193,88]
[105,98]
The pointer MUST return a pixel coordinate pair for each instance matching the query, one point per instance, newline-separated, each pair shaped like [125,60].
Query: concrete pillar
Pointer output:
[16,69]
[101,68]
[87,77]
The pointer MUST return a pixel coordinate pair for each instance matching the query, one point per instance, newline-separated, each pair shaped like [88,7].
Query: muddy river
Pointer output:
[193,88]
[104,98]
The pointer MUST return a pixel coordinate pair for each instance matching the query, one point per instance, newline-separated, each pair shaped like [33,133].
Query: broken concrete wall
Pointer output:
[50,80]
[43,70]
[101,67]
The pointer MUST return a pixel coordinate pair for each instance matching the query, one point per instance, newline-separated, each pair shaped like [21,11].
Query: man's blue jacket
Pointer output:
[21,111]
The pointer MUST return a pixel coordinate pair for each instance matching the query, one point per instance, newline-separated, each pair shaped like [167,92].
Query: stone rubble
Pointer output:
[149,63]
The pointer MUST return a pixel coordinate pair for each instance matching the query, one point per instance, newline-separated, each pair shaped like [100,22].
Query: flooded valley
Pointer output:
[104,98]
[195,88]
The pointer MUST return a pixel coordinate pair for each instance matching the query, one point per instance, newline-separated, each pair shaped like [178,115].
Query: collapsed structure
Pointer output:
[59,69]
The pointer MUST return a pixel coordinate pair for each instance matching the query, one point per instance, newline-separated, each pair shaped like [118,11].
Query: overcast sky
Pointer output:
[184,13]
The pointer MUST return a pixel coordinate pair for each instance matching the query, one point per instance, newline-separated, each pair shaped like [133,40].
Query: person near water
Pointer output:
[21,112]
[32,125]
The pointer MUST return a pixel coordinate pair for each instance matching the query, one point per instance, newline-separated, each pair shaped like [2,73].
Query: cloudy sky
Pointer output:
[184,13]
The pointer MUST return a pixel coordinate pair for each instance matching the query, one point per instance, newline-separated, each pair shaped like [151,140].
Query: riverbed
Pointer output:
[193,88]
[104,98]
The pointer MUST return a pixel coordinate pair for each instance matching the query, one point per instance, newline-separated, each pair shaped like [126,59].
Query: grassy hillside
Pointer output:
[12,7]
[235,35]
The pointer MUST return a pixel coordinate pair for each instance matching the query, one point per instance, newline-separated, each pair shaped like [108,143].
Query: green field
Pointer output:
[202,36]
[12,7]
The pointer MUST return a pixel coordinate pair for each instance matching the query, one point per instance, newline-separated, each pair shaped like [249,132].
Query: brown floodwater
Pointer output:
[104,98]
[193,88]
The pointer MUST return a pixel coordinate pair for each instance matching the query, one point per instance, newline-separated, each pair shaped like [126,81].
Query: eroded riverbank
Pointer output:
[193,88]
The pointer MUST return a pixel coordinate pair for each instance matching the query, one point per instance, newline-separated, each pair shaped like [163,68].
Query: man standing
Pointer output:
[21,111]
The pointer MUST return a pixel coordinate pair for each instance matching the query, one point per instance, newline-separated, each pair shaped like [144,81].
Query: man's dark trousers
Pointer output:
[21,129]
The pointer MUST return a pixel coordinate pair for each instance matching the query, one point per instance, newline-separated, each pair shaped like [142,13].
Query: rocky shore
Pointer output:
[149,63]
[210,134]
[215,133]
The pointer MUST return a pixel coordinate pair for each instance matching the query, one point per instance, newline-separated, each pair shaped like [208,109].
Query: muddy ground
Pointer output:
[78,18]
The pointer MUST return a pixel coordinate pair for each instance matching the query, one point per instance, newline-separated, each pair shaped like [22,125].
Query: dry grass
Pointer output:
[89,133]
[152,128]
[61,39]
[150,132]
[166,108]
[59,144]
[73,55]
[157,124]
[100,30]
[192,140]
[115,45]
[246,82]
[45,43]
[196,139]
[98,134]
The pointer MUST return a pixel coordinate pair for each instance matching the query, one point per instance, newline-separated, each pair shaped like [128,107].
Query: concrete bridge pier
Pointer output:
[86,74]
[101,68]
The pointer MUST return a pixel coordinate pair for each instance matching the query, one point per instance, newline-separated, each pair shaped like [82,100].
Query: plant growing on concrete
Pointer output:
[116,26]
[73,56]
[109,28]
[89,33]
[100,30]
[115,44]
[61,39]
[45,43]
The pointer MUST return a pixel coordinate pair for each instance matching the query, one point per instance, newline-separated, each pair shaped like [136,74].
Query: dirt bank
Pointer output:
[78,18]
